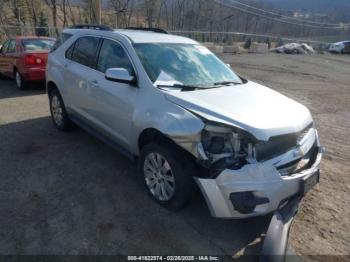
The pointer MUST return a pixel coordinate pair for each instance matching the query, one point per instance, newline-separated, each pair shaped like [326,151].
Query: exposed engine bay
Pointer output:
[224,147]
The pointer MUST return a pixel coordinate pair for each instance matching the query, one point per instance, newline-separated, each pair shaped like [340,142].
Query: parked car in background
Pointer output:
[340,47]
[24,59]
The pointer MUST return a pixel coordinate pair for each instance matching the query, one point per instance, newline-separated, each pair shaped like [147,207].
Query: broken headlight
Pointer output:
[225,147]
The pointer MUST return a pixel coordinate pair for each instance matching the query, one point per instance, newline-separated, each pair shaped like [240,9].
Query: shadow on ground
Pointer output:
[68,193]
[8,89]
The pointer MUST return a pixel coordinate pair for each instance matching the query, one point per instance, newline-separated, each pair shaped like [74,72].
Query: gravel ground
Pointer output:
[68,193]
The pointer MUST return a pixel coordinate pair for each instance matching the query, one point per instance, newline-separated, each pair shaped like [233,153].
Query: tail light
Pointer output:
[33,60]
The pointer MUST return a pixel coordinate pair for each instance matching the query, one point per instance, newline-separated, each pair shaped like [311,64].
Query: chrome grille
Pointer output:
[279,145]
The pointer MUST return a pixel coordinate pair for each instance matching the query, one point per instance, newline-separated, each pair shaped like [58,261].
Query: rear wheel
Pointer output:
[167,175]
[58,111]
[20,82]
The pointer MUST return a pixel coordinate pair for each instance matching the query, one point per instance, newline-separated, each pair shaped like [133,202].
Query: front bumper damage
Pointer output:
[275,246]
[254,190]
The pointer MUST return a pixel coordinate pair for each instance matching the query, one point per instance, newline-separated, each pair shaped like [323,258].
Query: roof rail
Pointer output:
[91,26]
[151,29]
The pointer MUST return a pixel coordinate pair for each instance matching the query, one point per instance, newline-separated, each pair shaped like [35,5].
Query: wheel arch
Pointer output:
[51,86]
[14,69]
[153,135]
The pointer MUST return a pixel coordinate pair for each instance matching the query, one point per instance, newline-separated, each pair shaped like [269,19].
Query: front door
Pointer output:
[114,102]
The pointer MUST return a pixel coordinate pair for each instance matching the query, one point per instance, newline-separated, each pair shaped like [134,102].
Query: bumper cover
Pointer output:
[262,179]
[275,244]
[34,74]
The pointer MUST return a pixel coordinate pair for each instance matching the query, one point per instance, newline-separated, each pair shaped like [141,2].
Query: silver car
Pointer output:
[186,117]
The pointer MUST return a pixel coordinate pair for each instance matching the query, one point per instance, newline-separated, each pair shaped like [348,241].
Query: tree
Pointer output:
[53,6]
[43,28]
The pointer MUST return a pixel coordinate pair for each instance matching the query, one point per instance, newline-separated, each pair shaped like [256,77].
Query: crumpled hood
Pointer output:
[259,110]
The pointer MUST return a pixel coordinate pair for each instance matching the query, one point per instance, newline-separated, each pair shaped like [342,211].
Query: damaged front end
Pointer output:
[241,176]
[224,147]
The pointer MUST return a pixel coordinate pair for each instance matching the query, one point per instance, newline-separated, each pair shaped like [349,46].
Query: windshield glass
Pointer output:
[186,64]
[37,44]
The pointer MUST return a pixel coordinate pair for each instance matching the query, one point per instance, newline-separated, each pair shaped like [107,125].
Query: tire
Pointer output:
[58,111]
[19,80]
[175,168]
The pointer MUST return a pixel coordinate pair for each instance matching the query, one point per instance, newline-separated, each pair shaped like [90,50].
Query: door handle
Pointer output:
[95,84]
[65,65]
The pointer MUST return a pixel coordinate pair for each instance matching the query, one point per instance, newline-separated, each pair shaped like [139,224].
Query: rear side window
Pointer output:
[5,46]
[84,51]
[112,55]
[37,44]
[11,47]
[60,40]
[69,52]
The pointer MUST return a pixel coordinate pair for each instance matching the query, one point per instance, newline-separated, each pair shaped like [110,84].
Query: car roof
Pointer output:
[32,37]
[138,36]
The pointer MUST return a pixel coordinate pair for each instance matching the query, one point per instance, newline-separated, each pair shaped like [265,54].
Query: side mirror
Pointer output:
[120,75]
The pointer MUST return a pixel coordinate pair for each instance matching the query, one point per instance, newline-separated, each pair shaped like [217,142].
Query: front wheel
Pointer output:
[167,176]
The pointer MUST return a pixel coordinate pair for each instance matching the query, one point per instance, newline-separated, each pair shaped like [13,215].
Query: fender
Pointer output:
[183,127]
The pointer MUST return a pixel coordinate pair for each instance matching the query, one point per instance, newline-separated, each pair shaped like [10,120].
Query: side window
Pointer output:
[69,51]
[12,47]
[5,46]
[85,51]
[112,55]
[60,40]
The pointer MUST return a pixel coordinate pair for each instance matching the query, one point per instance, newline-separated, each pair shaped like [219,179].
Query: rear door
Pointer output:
[79,71]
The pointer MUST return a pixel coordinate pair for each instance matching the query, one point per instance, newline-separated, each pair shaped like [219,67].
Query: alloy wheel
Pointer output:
[57,110]
[159,176]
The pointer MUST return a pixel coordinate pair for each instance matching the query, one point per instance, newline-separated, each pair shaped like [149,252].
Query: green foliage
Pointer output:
[43,29]
[247,43]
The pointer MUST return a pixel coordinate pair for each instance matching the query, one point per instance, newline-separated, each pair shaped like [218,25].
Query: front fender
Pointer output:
[183,127]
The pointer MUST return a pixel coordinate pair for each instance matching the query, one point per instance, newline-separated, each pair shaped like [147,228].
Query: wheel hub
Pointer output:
[57,111]
[159,177]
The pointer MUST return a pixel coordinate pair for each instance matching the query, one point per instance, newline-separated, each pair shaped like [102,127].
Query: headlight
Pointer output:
[226,144]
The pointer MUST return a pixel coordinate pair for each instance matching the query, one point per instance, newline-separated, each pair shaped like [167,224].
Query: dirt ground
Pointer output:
[68,193]
[322,83]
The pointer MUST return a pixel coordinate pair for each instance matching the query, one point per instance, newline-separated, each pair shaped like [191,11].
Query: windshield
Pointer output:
[183,64]
[37,44]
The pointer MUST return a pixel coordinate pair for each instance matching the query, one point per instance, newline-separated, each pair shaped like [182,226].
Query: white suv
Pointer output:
[187,118]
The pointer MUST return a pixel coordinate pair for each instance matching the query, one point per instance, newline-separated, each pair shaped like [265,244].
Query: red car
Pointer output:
[24,59]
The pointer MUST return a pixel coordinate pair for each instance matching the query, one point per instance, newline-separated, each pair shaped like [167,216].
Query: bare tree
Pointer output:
[53,6]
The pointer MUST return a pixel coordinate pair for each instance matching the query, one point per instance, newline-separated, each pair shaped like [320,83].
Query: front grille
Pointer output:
[279,145]
[300,164]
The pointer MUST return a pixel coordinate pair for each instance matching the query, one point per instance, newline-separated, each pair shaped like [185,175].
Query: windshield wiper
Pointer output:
[183,87]
[223,83]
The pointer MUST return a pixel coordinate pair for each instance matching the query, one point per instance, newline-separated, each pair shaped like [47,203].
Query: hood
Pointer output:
[254,108]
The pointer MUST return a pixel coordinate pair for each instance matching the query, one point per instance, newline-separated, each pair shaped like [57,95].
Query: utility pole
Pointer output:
[95,9]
